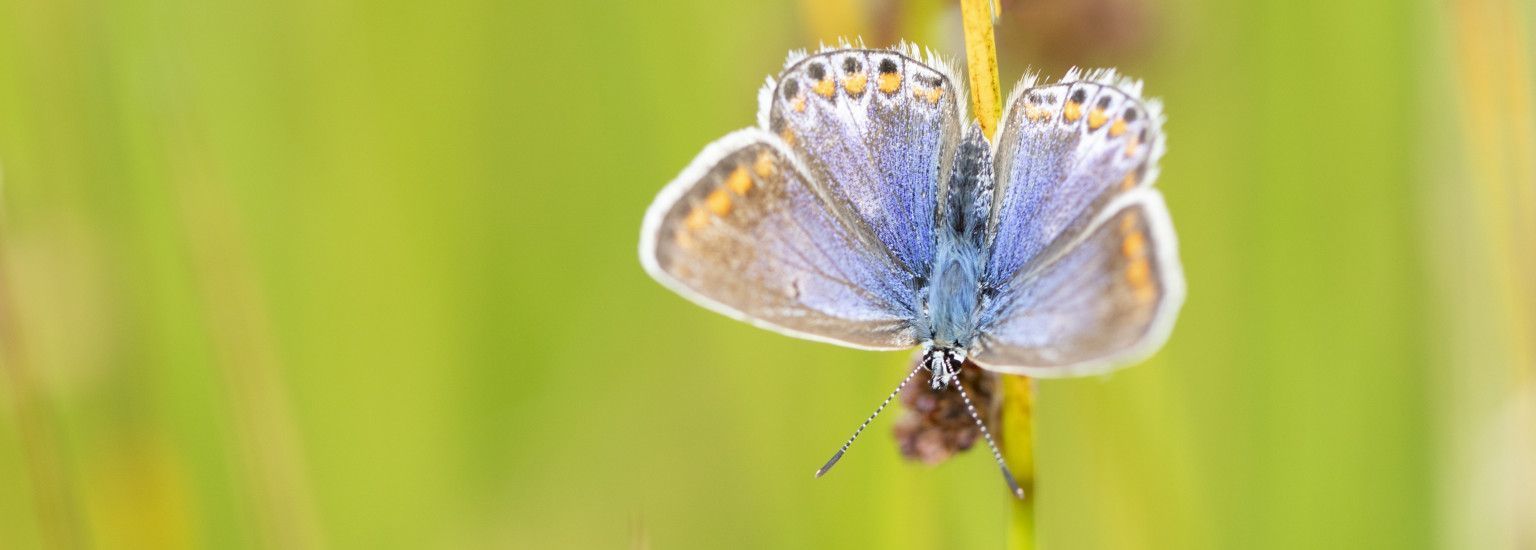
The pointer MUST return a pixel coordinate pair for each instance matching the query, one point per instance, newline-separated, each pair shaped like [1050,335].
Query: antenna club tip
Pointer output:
[828,466]
[1012,484]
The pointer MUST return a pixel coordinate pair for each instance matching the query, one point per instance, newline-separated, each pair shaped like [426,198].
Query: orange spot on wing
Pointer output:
[1096,119]
[1134,246]
[696,220]
[787,135]
[1117,128]
[798,104]
[718,202]
[1139,274]
[1072,112]
[931,96]
[1128,182]
[739,181]
[825,88]
[889,82]
[1132,145]
[855,84]
[763,165]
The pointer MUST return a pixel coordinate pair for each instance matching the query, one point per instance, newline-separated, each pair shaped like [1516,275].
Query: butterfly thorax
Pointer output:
[953,296]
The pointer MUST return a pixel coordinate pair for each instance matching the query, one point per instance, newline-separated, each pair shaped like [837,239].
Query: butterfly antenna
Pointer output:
[1007,475]
[839,455]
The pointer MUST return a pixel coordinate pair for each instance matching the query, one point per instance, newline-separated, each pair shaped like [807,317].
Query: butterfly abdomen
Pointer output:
[969,202]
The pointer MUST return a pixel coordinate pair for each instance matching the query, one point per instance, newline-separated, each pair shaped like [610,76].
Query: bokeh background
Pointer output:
[362,274]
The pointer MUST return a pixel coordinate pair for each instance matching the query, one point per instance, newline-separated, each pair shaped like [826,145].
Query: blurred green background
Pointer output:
[356,274]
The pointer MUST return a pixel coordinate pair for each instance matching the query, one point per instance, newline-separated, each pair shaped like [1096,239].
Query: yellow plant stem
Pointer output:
[1018,422]
[981,63]
[1018,435]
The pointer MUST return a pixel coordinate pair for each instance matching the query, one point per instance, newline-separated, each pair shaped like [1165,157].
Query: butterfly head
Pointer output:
[943,364]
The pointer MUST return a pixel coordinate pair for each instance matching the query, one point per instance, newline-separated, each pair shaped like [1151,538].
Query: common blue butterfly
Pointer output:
[866,209]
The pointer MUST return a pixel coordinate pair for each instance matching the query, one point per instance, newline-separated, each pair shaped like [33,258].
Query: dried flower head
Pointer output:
[935,425]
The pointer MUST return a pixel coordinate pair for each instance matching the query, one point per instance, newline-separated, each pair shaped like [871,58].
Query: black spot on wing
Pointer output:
[791,88]
[852,65]
[816,71]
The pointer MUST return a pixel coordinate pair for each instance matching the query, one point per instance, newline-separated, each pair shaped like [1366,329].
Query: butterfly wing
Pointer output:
[1063,152]
[1109,298]
[1083,263]
[745,231]
[833,239]
[878,129]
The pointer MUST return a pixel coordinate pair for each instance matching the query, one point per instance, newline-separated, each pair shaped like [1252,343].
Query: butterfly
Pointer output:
[867,210]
